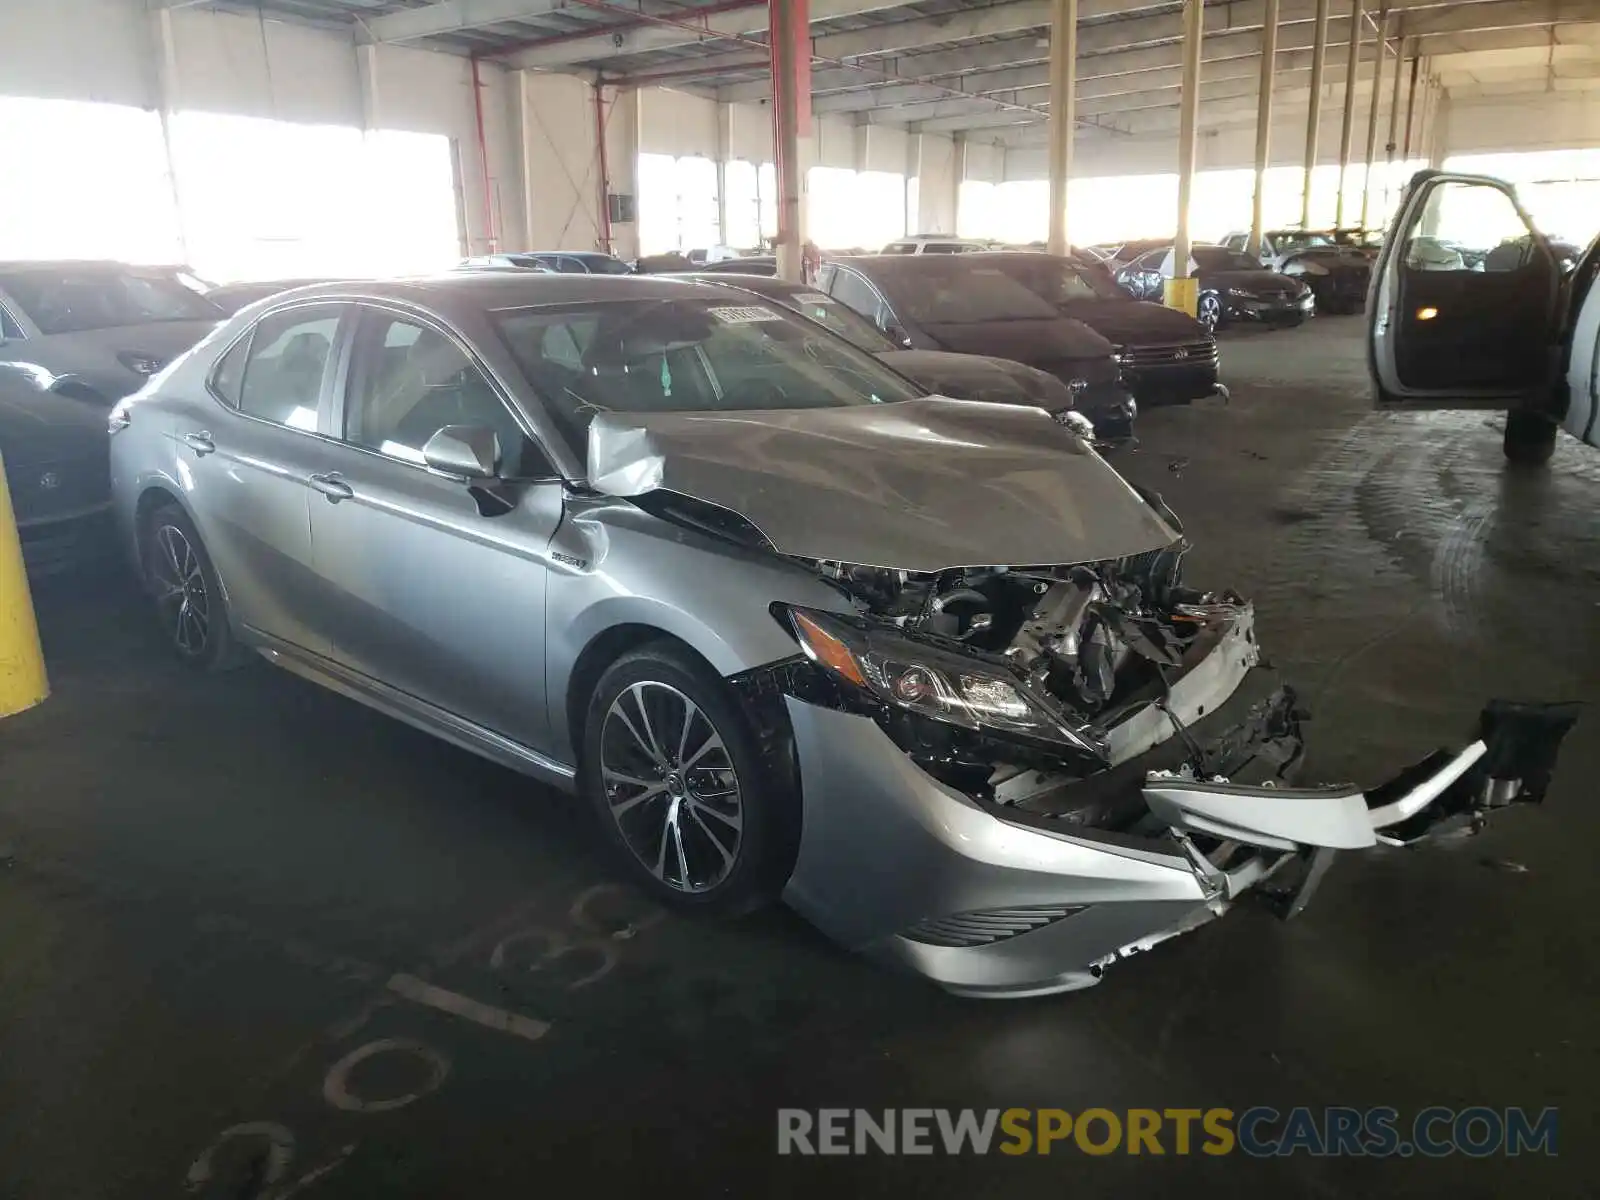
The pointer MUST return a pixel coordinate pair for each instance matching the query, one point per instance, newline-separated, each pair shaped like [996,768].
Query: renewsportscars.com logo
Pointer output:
[1260,1132]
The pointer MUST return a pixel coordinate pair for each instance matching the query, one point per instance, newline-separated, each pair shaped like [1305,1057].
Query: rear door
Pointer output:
[1441,334]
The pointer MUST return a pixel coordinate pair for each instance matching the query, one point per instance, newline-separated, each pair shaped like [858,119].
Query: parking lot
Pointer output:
[258,940]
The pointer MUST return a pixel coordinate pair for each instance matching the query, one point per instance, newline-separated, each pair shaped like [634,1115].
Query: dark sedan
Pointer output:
[958,376]
[1233,287]
[56,452]
[955,303]
[1166,355]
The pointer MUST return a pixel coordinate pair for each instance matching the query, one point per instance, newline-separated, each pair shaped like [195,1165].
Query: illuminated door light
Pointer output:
[1427,314]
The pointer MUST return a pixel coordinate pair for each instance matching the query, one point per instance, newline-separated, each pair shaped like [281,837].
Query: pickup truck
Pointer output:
[1518,331]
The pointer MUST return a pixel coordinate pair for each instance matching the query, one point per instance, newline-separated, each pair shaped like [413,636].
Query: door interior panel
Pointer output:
[1472,329]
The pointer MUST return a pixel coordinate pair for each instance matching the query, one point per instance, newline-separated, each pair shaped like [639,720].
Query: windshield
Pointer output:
[1060,281]
[658,356]
[1215,258]
[846,322]
[935,289]
[75,299]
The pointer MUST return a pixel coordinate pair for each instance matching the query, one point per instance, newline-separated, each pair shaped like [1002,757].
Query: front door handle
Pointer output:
[331,486]
[200,443]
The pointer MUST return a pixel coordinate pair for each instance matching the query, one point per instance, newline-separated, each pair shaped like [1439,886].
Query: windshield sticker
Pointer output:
[744,316]
[812,298]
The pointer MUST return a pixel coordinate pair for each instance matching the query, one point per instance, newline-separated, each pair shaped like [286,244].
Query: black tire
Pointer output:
[179,577]
[1530,438]
[714,865]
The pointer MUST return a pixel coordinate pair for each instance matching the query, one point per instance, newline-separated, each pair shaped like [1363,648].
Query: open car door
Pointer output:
[1466,310]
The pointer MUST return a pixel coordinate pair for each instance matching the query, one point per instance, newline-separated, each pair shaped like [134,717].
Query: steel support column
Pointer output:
[1319,55]
[1372,115]
[788,33]
[1269,57]
[1394,113]
[1181,291]
[724,157]
[958,176]
[1347,126]
[1063,91]
[164,56]
[1411,103]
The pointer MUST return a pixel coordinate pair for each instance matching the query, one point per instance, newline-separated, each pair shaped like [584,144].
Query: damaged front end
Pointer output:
[1015,776]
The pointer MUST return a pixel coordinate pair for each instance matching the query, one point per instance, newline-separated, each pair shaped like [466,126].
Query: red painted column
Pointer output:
[789,29]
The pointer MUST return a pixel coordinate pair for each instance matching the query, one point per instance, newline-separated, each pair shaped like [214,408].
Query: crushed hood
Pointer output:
[921,485]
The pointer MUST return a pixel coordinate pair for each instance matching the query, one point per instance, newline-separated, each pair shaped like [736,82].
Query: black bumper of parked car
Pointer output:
[1111,407]
[1169,374]
[67,542]
[1289,310]
[1341,291]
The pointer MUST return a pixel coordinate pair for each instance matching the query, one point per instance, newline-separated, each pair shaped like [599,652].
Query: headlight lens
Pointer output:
[139,364]
[943,685]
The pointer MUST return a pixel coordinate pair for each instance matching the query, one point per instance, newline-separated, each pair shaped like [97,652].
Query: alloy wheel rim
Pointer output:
[181,596]
[1208,313]
[670,786]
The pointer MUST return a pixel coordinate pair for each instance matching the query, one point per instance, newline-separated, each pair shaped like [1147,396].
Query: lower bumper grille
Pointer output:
[986,926]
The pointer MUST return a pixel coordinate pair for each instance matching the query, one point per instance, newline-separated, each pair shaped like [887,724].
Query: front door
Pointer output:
[246,451]
[1467,300]
[428,592]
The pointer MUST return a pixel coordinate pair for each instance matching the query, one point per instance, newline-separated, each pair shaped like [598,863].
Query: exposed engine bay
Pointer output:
[1103,648]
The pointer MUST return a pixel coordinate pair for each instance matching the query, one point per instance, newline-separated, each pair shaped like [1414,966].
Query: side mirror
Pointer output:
[470,452]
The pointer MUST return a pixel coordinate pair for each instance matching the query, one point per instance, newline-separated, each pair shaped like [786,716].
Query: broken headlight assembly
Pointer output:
[955,689]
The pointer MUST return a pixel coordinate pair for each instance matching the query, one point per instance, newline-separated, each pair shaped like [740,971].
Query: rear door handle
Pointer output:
[331,486]
[200,443]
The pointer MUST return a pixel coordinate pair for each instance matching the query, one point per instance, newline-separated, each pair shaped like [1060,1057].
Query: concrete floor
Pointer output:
[206,884]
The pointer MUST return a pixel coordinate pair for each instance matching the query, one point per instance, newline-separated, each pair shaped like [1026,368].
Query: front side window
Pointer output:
[661,356]
[72,299]
[410,380]
[288,357]
[852,291]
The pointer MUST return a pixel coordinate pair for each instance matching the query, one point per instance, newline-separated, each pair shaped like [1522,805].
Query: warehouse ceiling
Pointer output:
[981,69]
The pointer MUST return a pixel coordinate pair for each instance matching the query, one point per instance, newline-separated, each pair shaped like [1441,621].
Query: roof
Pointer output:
[491,290]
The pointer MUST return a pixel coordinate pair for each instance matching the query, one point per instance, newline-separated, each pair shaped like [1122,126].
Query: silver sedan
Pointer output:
[924,668]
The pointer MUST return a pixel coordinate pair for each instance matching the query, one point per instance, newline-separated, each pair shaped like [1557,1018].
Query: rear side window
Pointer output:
[227,377]
[900,248]
[289,355]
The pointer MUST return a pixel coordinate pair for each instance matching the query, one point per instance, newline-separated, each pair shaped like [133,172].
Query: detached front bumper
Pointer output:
[995,900]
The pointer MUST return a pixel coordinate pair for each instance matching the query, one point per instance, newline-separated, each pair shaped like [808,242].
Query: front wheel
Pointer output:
[681,785]
[1530,438]
[1210,313]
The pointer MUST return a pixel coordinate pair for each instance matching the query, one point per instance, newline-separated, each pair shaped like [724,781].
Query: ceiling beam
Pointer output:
[1135,44]
[949,115]
[1015,82]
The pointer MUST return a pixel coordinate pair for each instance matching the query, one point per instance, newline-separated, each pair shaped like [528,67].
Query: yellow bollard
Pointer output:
[22,678]
[1182,294]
